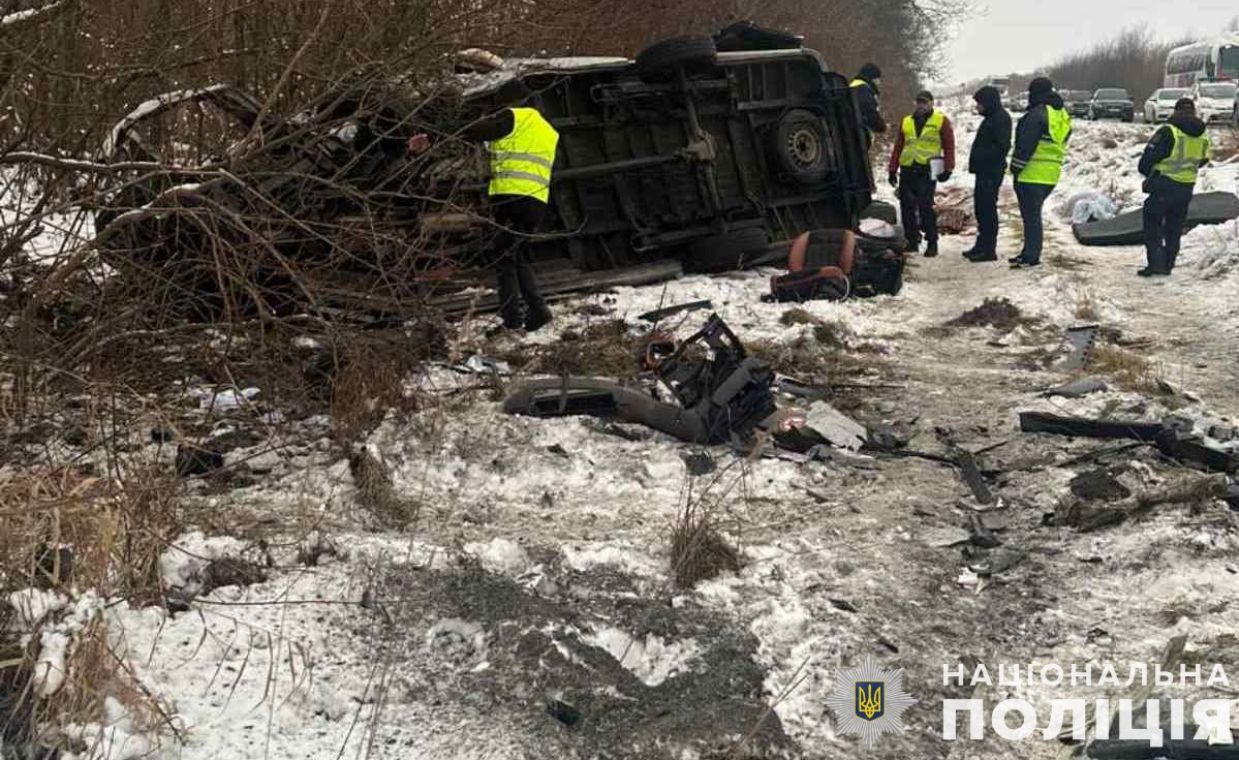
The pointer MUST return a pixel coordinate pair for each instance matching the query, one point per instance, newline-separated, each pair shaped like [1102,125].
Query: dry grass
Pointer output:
[65,529]
[1226,146]
[698,551]
[796,316]
[376,493]
[1129,370]
[999,313]
[1086,307]
[602,349]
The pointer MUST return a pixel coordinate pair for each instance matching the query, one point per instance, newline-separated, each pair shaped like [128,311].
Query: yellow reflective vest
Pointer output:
[521,163]
[1184,160]
[918,149]
[1046,165]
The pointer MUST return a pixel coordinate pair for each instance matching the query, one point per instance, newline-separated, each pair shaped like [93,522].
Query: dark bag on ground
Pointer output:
[835,264]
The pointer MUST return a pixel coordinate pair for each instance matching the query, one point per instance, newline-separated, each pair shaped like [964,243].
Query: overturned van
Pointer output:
[693,153]
[702,154]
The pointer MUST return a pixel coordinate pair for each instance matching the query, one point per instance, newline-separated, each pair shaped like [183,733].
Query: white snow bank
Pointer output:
[502,556]
[32,605]
[182,563]
[653,660]
[1212,250]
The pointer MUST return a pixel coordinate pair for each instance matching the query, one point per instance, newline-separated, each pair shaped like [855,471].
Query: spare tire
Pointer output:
[803,148]
[660,61]
[721,253]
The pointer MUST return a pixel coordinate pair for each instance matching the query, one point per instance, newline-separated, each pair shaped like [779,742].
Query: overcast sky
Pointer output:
[1020,35]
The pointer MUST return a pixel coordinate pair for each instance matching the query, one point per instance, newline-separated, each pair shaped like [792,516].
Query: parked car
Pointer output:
[701,152]
[1160,104]
[1077,101]
[1112,102]
[1215,101]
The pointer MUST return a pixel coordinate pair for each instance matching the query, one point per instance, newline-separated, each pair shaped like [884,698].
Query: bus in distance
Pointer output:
[1206,61]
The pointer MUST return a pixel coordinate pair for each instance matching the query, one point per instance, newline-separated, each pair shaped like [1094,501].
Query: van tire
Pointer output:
[722,253]
[660,61]
[802,147]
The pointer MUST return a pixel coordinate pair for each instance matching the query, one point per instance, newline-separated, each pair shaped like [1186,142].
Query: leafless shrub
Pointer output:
[376,493]
[698,551]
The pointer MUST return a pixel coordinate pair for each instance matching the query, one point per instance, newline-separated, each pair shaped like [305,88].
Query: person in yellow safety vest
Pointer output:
[868,99]
[924,155]
[521,145]
[1171,162]
[1037,163]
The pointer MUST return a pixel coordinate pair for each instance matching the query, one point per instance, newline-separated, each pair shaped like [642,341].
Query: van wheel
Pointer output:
[660,61]
[721,253]
[802,147]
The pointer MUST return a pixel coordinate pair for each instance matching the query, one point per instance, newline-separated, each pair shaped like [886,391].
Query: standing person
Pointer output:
[1171,162]
[926,135]
[868,97]
[1037,163]
[988,161]
[522,144]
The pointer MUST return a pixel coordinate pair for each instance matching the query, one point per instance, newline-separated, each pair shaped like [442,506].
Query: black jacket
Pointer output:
[870,115]
[1032,127]
[1162,144]
[993,141]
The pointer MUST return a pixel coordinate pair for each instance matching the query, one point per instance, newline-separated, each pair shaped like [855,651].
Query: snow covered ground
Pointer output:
[530,610]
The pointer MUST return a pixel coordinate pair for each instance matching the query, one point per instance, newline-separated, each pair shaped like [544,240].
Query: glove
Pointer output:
[893,178]
[944,176]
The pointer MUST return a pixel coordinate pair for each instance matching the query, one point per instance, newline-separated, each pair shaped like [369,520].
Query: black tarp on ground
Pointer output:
[1128,229]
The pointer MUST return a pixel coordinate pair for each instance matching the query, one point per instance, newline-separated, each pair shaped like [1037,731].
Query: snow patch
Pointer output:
[653,660]
[501,556]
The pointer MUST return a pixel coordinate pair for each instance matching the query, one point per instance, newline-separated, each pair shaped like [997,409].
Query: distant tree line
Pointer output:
[70,68]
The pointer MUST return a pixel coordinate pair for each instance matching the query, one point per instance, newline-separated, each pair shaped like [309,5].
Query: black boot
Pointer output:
[539,316]
[931,250]
[977,257]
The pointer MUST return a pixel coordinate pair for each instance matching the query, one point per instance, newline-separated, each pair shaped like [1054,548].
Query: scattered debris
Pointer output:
[699,463]
[1128,229]
[726,394]
[1088,516]
[1082,341]
[1099,485]
[941,538]
[1174,443]
[1078,388]
[660,314]
[1078,427]
[192,461]
[483,365]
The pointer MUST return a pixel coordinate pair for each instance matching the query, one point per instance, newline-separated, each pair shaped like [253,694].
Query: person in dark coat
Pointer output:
[1037,162]
[868,99]
[988,161]
[1170,162]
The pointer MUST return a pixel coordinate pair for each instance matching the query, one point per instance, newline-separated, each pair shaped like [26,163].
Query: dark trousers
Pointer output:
[1032,199]
[1165,211]
[985,199]
[916,204]
[517,218]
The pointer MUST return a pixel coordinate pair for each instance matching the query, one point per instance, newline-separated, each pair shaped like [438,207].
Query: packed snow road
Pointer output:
[530,610]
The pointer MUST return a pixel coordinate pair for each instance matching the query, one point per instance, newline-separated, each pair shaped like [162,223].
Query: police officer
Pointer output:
[1171,161]
[1037,162]
[868,98]
[925,135]
[521,145]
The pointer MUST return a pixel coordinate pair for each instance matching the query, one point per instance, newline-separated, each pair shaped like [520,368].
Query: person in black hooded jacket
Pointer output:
[988,161]
[1170,162]
[867,99]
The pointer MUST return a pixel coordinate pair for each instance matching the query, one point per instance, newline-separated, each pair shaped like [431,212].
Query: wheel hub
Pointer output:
[805,147]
